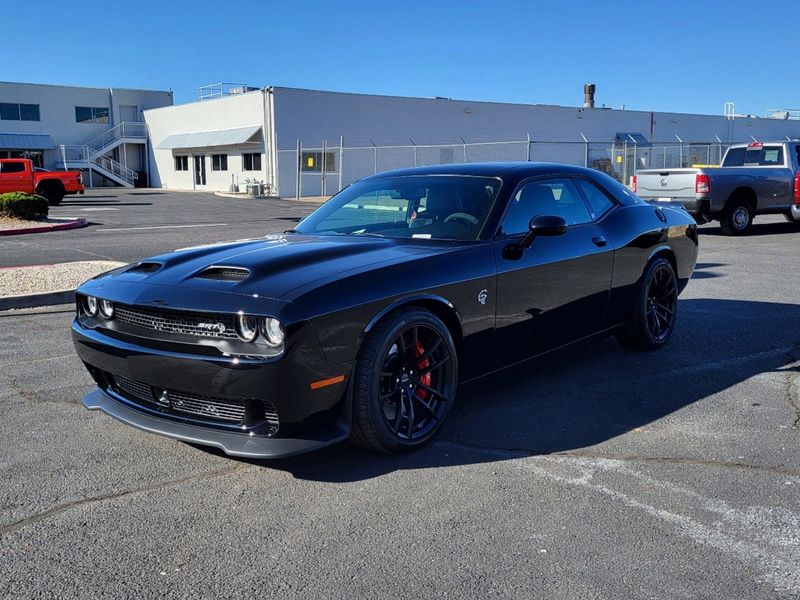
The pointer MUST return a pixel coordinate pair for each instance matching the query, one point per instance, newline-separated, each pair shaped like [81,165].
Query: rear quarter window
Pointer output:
[598,200]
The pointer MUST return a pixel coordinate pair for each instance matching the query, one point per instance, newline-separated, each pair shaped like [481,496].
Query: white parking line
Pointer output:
[160,227]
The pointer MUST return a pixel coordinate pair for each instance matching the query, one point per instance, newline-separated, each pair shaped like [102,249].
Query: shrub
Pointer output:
[23,206]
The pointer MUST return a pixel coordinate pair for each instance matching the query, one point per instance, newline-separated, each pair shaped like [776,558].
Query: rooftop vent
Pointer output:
[588,95]
[219,90]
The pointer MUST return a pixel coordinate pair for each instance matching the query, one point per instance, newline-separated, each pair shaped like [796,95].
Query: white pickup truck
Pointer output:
[754,179]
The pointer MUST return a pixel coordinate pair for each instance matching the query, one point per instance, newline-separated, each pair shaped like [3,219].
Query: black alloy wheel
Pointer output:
[662,300]
[414,382]
[405,382]
[653,318]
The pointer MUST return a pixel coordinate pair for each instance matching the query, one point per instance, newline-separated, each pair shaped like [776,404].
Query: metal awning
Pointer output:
[26,141]
[632,138]
[206,139]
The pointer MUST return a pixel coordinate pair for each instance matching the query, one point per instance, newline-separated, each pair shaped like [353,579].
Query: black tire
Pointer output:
[650,325]
[792,220]
[52,194]
[737,218]
[395,408]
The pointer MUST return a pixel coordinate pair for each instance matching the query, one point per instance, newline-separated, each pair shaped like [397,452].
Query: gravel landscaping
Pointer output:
[38,279]
[7,223]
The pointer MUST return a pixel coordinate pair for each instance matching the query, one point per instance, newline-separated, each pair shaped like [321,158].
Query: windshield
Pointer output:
[446,207]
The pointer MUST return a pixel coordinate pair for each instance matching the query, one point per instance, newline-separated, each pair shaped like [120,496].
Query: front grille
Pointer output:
[213,325]
[223,410]
[206,408]
[134,390]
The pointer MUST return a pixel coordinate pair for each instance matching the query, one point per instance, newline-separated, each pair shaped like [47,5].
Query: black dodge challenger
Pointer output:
[362,321]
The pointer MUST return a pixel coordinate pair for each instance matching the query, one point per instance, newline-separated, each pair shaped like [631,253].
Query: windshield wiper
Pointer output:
[291,231]
[366,233]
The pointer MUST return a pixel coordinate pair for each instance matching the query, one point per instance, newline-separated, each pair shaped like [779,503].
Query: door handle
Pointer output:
[599,240]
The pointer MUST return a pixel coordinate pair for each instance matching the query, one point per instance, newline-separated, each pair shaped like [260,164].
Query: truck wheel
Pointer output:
[791,219]
[737,218]
[53,195]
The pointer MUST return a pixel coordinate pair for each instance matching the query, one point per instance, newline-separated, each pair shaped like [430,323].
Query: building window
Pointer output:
[91,114]
[11,111]
[182,163]
[252,162]
[219,162]
[311,162]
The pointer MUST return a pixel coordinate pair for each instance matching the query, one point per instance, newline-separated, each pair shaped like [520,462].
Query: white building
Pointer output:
[279,136]
[99,130]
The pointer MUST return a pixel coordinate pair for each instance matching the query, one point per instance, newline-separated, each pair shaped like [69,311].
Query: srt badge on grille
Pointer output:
[212,327]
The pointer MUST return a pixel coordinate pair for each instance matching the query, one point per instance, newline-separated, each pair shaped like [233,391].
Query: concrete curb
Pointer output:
[34,300]
[45,228]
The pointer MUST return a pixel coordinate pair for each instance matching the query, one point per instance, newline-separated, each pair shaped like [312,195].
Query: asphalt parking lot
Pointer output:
[593,473]
[127,225]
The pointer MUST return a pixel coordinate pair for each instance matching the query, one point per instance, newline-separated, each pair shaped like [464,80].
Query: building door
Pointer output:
[199,170]
[129,113]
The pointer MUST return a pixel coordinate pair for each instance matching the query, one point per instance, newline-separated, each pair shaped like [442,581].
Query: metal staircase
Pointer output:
[93,154]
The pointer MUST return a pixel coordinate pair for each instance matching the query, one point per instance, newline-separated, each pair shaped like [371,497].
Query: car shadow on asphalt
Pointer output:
[587,394]
[705,270]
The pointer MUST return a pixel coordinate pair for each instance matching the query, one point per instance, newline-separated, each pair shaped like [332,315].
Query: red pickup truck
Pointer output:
[20,175]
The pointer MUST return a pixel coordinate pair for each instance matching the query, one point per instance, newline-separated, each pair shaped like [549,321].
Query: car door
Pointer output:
[774,192]
[14,177]
[555,291]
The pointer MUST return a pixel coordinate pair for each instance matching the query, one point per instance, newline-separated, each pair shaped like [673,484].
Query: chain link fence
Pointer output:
[323,170]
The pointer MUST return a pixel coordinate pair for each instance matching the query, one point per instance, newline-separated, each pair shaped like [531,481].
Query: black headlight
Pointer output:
[246,327]
[90,305]
[106,309]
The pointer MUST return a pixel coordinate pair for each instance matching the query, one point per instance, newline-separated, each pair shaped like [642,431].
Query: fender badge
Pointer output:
[482,295]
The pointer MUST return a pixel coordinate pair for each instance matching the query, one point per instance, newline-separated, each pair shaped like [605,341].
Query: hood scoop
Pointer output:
[224,273]
[145,268]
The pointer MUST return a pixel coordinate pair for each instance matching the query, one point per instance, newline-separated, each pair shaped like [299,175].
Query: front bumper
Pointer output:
[309,418]
[234,444]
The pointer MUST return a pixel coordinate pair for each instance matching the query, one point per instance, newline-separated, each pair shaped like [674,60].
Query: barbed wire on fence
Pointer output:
[324,169]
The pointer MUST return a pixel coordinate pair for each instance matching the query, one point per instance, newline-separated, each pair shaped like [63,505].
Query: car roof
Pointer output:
[485,169]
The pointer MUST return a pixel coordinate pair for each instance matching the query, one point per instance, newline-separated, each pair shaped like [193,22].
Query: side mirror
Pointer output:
[548,225]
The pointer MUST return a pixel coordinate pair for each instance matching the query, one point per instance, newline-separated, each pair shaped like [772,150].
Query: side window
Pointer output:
[734,157]
[598,200]
[13,167]
[545,197]
[772,156]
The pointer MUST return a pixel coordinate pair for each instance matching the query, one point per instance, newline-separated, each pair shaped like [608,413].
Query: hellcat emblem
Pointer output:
[482,295]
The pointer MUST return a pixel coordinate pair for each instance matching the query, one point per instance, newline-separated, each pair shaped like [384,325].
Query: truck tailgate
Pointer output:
[666,183]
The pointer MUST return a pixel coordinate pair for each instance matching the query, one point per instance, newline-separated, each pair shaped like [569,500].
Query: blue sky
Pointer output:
[684,56]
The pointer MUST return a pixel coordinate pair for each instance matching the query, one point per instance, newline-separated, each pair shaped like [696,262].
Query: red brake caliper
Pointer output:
[425,379]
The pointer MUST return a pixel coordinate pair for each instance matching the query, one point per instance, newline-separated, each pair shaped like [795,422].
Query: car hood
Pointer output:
[275,265]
